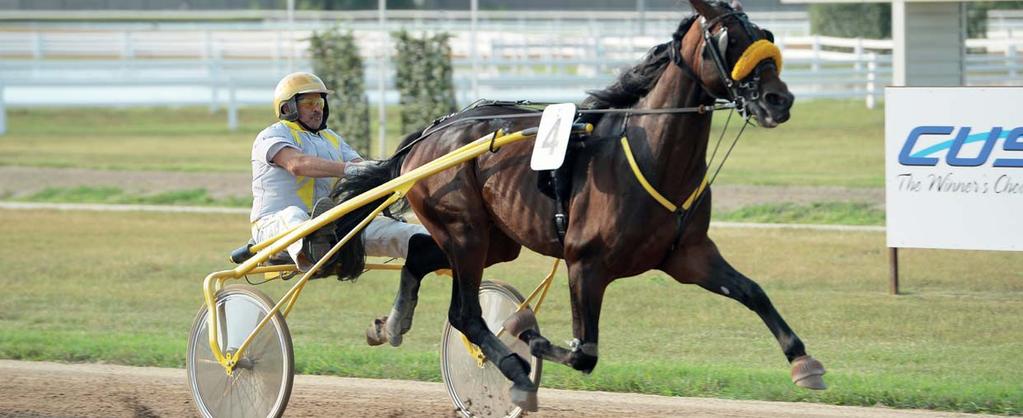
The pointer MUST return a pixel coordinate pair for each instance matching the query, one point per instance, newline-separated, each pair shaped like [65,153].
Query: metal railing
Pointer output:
[236,68]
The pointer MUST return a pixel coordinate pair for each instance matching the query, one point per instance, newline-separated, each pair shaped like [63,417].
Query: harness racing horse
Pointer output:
[482,212]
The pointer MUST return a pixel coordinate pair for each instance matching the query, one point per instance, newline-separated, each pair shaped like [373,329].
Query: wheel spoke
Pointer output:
[484,391]
[256,391]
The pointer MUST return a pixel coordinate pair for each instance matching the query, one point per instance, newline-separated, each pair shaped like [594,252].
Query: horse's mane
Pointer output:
[632,84]
[636,82]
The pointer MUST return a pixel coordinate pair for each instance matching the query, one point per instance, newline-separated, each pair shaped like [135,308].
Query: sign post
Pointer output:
[893,270]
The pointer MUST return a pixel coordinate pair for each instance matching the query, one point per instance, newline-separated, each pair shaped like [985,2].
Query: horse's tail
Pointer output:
[351,260]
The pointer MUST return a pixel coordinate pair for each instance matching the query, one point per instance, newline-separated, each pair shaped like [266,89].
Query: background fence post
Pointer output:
[215,77]
[871,78]
[37,46]
[858,66]
[207,45]
[127,49]
[232,107]
[1010,59]
[3,112]
[815,65]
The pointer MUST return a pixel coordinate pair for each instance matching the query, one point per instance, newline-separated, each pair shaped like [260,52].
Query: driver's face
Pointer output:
[310,109]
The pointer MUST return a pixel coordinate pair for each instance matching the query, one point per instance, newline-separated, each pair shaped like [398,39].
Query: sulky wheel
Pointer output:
[261,382]
[482,391]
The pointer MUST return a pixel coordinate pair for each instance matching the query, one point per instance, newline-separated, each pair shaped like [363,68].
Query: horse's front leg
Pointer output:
[468,248]
[703,265]
[587,293]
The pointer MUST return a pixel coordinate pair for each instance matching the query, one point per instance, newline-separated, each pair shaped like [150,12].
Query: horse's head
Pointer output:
[736,60]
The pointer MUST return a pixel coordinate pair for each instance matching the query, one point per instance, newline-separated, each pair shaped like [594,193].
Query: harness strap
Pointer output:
[688,203]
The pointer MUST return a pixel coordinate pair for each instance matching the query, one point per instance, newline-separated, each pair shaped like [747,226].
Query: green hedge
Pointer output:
[977,15]
[852,20]
[423,78]
[336,60]
[873,20]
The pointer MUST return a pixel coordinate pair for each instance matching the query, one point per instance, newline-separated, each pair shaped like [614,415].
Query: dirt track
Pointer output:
[37,389]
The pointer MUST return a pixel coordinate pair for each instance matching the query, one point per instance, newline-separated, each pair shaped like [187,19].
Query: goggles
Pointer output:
[314,101]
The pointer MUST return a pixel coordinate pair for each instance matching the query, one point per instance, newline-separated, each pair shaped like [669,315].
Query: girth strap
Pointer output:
[653,192]
[679,212]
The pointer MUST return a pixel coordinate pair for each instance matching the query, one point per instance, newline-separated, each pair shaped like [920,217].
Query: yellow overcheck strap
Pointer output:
[650,189]
[758,51]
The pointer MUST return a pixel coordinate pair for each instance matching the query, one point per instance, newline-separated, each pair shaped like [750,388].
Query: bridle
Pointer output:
[740,92]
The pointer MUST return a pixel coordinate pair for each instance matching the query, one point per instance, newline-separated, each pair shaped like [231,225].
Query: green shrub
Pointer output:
[873,20]
[336,60]
[423,78]
[852,20]
[976,15]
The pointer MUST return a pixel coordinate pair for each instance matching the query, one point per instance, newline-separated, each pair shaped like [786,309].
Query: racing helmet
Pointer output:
[285,103]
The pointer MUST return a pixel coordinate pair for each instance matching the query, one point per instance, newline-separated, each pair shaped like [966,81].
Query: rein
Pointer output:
[535,113]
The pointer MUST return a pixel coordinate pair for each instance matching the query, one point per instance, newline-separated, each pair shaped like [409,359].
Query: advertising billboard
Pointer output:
[954,167]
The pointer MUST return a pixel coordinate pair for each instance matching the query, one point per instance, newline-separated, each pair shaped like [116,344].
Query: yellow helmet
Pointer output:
[292,85]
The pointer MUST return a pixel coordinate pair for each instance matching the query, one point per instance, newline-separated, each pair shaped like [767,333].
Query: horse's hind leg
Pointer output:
[424,257]
[704,266]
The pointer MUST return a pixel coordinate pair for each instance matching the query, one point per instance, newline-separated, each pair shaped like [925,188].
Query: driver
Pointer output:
[295,163]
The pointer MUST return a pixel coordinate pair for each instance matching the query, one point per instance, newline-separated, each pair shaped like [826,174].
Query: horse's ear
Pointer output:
[704,9]
[737,5]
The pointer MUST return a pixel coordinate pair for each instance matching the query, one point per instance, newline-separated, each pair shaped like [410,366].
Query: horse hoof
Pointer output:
[807,373]
[376,334]
[525,399]
[519,322]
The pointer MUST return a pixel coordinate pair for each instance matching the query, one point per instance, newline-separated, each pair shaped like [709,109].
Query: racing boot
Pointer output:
[318,243]
[399,321]
[392,327]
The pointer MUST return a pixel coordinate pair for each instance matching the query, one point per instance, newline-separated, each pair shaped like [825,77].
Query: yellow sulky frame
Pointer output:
[396,188]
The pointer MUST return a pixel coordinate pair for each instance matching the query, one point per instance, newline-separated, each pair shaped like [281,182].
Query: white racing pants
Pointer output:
[383,237]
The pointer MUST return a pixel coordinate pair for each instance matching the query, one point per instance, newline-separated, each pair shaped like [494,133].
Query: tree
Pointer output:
[852,20]
[337,62]
[423,78]
[976,15]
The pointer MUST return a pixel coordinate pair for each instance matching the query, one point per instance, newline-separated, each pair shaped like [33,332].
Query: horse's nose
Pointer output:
[779,101]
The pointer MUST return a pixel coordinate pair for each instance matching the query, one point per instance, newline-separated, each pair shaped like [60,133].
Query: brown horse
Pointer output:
[484,211]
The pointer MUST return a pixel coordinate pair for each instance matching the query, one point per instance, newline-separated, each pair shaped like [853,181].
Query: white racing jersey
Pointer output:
[273,187]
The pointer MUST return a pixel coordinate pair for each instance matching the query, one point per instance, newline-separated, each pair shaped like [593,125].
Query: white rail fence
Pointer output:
[577,22]
[240,67]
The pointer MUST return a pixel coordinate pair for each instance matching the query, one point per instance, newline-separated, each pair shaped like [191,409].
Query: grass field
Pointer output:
[178,139]
[832,143]
[843,213]
[114,195]
[123,288]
